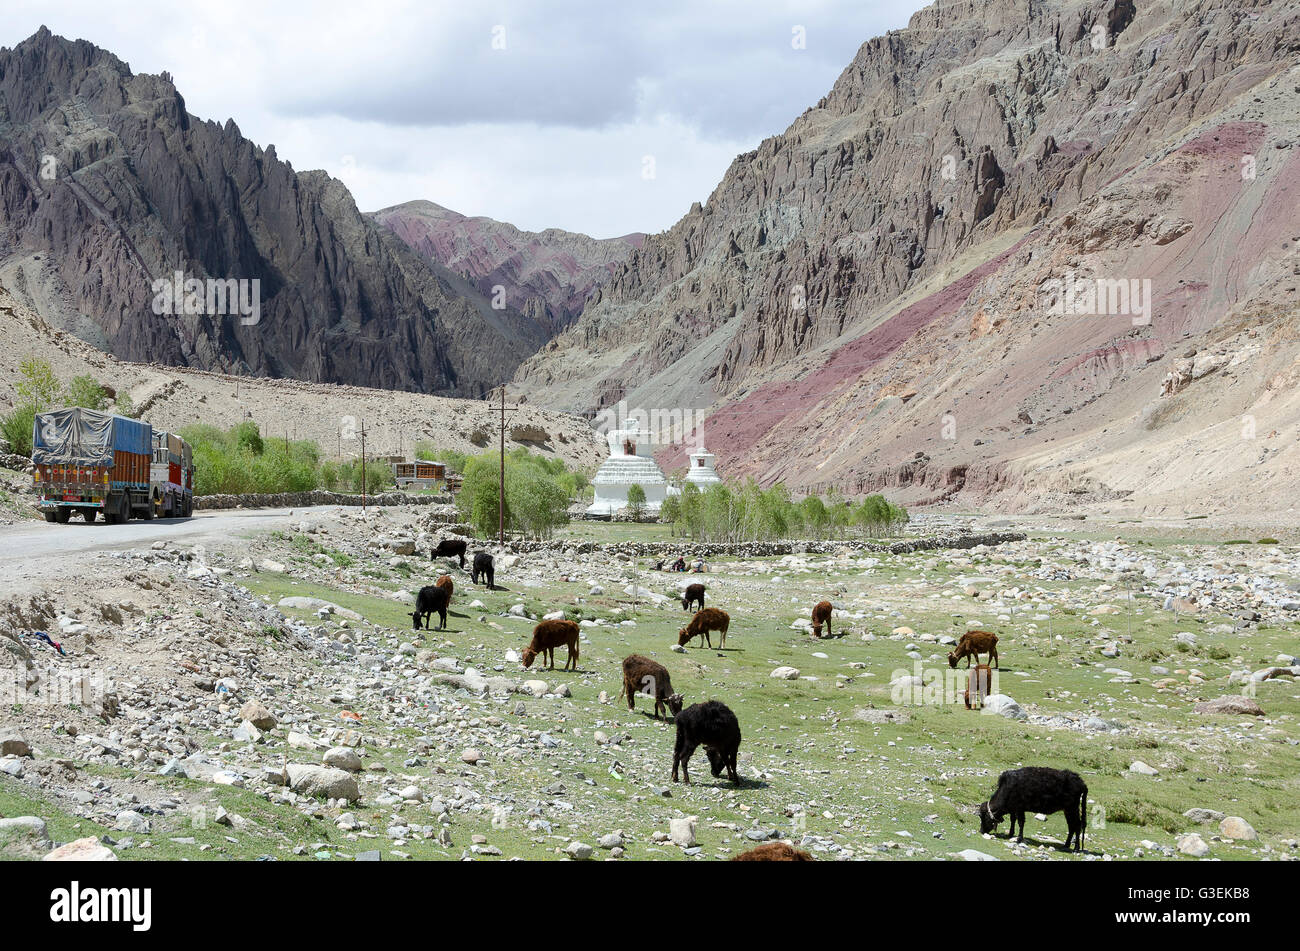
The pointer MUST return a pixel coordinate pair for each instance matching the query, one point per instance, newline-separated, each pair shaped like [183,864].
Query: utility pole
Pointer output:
[501,491]
[363,467]
[501,488]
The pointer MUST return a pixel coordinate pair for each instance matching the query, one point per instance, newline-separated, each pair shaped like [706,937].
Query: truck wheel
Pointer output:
[89,515]
[49,516]
[62,515]
[125,513]
[149,509]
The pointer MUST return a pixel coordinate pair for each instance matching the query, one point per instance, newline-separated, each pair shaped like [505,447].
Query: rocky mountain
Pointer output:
[547,275]
[894,292]
[107,185]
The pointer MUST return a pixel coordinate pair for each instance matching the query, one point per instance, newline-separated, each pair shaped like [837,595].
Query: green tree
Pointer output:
[37,384]
[86,392]
[670,511]
[636,501]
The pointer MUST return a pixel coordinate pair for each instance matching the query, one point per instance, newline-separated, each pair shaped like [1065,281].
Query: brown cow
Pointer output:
[821,615]
[706,620]
[972,644]
[549,635]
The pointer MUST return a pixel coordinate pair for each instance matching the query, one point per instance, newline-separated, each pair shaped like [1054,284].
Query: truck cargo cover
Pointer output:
[87,437]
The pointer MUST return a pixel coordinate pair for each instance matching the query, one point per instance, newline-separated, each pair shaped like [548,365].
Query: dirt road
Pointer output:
[33,551]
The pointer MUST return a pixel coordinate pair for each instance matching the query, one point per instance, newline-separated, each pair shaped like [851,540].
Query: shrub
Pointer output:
[85,391]
[537,493]
[17,428]
[636,501]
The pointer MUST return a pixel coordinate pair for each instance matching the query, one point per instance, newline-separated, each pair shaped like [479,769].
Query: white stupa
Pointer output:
[701,471]
[630,462]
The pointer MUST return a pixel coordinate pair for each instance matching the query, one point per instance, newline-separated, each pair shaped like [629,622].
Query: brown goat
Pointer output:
[706,620]
[821,615]
[446,582]
[549,635]
[773,852]
[972,644]
[643,675]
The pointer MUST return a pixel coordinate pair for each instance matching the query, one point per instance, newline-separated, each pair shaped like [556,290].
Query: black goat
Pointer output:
[483,565]
[431,598]
[450,548]
[714,726]
[1038,789]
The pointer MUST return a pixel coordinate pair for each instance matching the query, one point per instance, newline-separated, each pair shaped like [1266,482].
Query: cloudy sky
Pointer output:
[601,117]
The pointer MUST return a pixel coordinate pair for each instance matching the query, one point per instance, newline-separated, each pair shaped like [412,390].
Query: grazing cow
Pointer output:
[483,567]
[972,644]
[979,684]
[1037,789]
[450,548]
[445,582]
[431,598]
[706,620]
[773,852]
[549,635]
[822,615]
[643,675]
[715,727]
[694,593]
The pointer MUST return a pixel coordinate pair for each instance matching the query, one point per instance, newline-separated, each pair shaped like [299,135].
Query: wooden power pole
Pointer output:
[363,467]
[501,490]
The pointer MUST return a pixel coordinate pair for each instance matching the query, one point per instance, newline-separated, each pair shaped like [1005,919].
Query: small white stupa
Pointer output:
[701,471]
[630,463]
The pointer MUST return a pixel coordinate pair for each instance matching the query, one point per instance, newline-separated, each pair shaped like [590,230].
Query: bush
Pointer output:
[724,513]
[538,491]
[237,461]
[17,429]
[85,391]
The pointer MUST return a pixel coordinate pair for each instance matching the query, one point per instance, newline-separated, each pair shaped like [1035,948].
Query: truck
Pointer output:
[171,477]
[89,462]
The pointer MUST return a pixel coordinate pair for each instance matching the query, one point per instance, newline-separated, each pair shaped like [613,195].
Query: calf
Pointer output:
[979,684]
[972,644]
[643,675]
[549,635]
[694,593]
[431,598]
[706,620]
[446,582]
[773,852]
[450,548]
[821,615]
[1037,789]
[713,725]
[483,567]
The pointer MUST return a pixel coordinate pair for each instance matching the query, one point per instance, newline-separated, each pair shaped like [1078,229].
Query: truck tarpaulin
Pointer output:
[87,437]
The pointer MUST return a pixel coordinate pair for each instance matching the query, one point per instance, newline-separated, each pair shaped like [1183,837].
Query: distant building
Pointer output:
[701,473]
[630,463]
[420,474]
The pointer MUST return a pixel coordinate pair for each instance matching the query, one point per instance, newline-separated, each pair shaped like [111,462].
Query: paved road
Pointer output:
[31,551]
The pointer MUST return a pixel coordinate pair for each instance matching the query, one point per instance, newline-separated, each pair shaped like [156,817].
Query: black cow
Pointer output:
[431,598]
[1038,789]
[450,548]
[483,565]
[715,727]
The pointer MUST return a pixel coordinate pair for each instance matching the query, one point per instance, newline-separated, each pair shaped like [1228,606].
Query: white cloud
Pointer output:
[548,132]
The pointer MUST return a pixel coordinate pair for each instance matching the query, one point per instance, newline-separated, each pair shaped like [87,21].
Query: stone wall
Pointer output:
[276,500]
[691,549]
